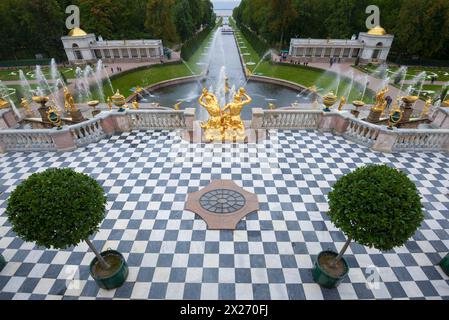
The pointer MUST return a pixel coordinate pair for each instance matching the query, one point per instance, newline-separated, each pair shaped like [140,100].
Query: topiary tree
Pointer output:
[58,208]
[377,206]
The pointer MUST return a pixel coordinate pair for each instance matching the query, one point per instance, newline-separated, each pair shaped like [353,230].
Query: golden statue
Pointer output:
[178,105]
[381,103]
[426,108]
[213,127]
[69,101]
[314,90]
[109,103]
[135,104]
[271,106]
[234,129]
[227,89]
[24,103]
[227,124]
[342,103]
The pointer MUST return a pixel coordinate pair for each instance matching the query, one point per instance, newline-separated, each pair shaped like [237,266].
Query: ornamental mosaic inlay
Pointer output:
[222,201]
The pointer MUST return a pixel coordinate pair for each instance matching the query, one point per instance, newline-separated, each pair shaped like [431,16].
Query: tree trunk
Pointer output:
[343,250]
[100,258]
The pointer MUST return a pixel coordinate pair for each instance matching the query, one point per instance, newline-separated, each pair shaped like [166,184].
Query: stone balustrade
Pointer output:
[27,140]
[376,137]
[421,140]
[285,119]
[103,125]
[163,119]
[88,132]
[362,132]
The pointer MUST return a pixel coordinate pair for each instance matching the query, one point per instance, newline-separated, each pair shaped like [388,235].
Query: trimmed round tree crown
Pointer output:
[377,206]
[57,208]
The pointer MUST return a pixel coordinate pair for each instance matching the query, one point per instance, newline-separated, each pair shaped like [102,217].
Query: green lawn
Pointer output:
[442,73]
[13,74]
[146,77]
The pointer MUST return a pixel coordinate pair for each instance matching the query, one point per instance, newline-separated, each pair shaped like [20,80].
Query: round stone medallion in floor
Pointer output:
[222,204]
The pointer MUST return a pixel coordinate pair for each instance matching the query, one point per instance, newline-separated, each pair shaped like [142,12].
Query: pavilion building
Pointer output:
[370,47]
[81,47]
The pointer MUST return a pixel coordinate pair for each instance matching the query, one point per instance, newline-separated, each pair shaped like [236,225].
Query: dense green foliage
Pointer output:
[421,27]
[30,27]
[260,45]
[377,206]
[191,46]
[57,208]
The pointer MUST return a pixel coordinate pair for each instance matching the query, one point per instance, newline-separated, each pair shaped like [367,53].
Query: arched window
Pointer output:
[77,52]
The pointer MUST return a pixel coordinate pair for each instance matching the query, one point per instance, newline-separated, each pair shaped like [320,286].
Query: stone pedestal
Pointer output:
[77,116]
[256,122]
[328,121]
[43,112]
[374,116]
[385,141]
[407,113]
[355,113]
[64,140]
[95,113]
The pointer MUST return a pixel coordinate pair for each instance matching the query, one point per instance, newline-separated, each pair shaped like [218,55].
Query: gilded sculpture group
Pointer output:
[224,124]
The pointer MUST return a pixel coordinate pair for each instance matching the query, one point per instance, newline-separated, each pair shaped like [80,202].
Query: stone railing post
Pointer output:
[189,118]
[121,122]
[341,124]
[63,140]
[257,120]
[9,118]
[441,118]
[385,141]
[108,125]
[328,121]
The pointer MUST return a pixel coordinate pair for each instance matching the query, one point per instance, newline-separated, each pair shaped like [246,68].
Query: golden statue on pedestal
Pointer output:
[227,124]
[381,103]
[227,88]
[25,104]
[69,104]
[232,121]
[342,103]
[426,108]
[135,104]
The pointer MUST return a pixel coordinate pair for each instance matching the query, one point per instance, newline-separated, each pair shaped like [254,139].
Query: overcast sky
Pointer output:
[225,4]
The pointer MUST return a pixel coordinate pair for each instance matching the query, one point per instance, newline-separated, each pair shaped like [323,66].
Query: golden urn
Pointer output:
[119,101]
[445,103]
[329,100]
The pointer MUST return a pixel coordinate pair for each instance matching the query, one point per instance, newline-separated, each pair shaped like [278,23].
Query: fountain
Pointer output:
[224,125]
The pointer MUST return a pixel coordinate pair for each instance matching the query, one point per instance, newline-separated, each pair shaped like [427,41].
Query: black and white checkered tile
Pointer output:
[171,255]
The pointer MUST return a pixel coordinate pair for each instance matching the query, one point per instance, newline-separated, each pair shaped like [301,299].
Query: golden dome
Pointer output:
[77,32]
[377,31]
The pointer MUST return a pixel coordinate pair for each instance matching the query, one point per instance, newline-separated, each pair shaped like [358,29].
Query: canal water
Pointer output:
[223,60]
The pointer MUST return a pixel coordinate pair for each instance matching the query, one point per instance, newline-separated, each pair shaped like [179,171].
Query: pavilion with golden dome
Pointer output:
[82,47]
[372,46]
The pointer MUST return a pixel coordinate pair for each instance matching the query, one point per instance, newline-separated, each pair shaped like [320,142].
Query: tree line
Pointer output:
[421,27]
[30,27]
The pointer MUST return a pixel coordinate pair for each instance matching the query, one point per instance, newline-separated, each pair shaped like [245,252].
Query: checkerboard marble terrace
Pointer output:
[171,255]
